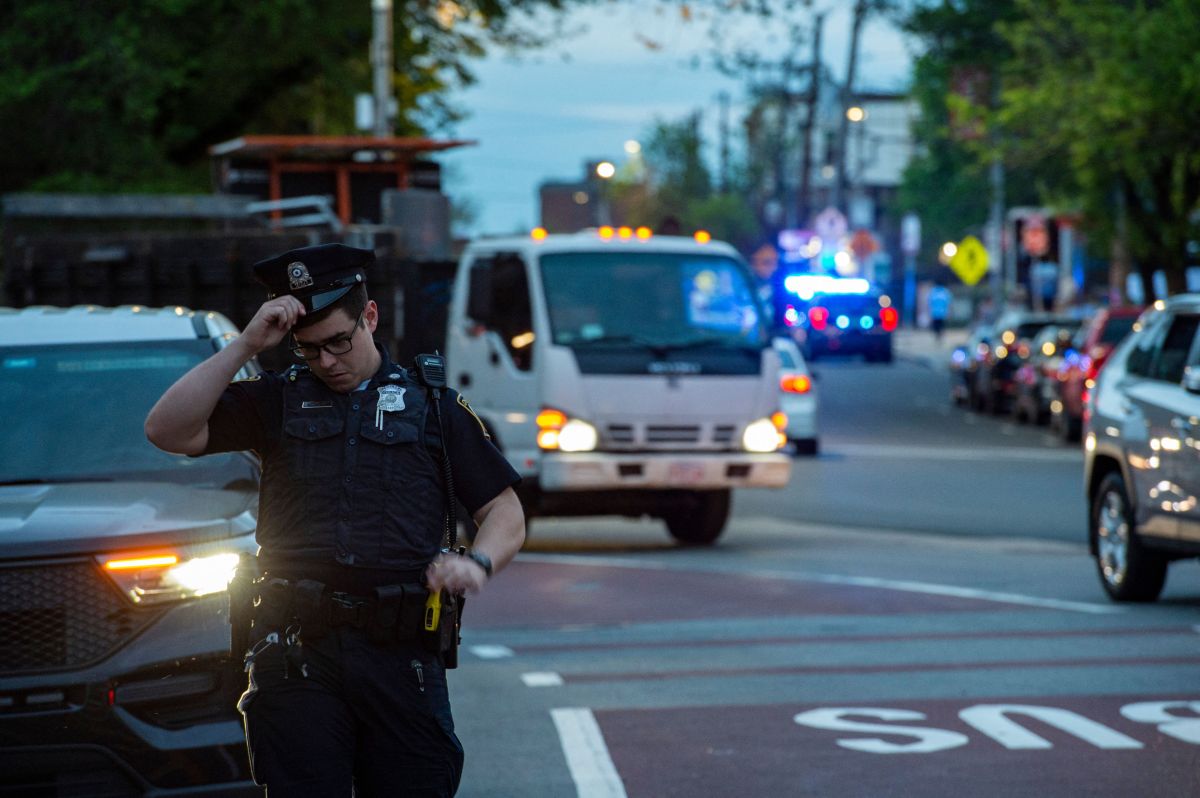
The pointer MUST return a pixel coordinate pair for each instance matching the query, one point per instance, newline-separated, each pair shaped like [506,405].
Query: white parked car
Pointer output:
[797,397]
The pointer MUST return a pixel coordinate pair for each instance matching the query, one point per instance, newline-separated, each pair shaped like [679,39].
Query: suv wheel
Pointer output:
[700,518]
[1128,570]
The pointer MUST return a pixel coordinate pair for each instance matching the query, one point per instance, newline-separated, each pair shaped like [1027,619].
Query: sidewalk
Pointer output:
[921,345]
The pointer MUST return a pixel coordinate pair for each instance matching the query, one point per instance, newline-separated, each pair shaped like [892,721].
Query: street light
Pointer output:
[605,170]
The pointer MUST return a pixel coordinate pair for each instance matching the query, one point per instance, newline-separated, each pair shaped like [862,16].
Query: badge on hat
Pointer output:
[391,400]
[298,276]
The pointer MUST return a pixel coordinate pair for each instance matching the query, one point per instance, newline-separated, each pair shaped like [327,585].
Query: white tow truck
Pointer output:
[621,373]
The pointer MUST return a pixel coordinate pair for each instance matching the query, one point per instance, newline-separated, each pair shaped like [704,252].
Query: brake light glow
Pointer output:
[889,318]
[795,383]
[819,318]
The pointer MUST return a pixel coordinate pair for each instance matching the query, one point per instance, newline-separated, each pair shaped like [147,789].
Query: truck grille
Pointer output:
[61,615]
[668,437]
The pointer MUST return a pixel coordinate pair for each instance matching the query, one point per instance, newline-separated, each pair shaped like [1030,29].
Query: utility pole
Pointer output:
[839,179]
[995,226]
[381,66]
[723,171]
[812,101]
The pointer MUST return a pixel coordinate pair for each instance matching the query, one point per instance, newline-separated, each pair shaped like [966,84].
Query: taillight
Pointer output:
[819,318]
[795,383]
[889,318]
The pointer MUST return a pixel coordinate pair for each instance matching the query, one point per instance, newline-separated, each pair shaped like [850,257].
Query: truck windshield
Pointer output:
[652,299]
[75,413]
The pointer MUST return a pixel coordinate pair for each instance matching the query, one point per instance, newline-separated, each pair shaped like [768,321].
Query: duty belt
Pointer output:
[392,613]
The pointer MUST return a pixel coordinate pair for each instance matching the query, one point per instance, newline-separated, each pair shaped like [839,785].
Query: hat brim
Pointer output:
[323,299]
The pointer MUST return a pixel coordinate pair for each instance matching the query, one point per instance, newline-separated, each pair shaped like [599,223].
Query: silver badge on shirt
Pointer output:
[391,400]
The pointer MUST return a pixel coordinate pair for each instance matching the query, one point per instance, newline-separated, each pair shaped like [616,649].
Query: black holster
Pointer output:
[444,640]
[242,592]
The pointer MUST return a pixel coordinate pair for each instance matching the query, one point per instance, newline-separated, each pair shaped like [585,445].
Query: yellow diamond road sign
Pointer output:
[970,263]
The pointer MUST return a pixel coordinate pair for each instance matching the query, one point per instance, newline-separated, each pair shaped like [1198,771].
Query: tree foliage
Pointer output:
[1097,113]
[128,95]
[1112,89]
[672,186]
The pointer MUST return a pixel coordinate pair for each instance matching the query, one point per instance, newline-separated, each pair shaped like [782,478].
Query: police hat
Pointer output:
[317,276]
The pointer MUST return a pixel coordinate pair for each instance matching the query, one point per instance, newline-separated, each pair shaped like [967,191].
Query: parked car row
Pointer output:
[1038,367]
[1128,383]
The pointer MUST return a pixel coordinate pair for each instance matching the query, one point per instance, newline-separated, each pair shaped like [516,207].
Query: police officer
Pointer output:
[345,691]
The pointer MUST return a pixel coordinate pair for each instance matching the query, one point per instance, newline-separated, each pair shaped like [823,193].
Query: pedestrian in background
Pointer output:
[347,690]
[938,303]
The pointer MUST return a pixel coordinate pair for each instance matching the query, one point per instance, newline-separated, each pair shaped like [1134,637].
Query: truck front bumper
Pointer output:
[669,470]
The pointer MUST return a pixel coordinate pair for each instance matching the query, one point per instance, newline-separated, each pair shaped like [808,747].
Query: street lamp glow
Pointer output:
[949,249]
[605,170]
[633,147]
[856,114]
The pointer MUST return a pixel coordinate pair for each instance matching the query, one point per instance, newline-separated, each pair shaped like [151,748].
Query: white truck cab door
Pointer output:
[491,355]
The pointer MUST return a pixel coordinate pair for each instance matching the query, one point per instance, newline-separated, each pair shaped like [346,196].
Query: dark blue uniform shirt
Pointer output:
[350,496]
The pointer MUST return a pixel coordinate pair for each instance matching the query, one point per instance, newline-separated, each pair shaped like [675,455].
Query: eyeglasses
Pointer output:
[336,346]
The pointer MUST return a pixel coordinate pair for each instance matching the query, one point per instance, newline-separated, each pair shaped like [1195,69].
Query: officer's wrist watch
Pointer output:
[484,561]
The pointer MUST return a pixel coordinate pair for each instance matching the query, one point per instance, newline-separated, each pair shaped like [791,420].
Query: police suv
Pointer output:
[115,677]
[621,373]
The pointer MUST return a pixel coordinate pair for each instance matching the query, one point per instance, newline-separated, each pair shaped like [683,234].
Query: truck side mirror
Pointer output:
[479,301]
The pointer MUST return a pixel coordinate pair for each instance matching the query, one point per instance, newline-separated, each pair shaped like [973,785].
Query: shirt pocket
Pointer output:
[390,451]
[314,446]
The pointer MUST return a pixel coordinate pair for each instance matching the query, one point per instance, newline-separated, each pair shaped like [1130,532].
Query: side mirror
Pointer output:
[479,301]
[1191,379]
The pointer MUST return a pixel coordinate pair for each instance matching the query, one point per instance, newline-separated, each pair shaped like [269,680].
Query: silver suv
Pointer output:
[115,677]
[1142,452]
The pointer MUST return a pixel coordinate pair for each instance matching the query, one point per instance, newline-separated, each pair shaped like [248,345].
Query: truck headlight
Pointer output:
[161,575]
[764,435]
[558,432]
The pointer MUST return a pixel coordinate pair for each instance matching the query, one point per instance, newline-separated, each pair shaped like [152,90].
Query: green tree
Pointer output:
[674,185]
[128,95]
[1112,88]
[947,183]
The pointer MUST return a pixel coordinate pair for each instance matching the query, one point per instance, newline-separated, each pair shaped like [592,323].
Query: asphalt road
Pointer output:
[915,614]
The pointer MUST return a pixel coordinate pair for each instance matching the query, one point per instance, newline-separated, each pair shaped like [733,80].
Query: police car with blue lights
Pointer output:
[841,316]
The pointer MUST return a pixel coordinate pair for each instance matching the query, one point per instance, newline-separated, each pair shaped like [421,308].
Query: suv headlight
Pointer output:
[766,434]
[156,576]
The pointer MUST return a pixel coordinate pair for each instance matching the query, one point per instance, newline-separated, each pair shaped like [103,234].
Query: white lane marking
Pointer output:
[542,679]
[491,651]
[959,592]
[588,759]
[893,452]
[907,586]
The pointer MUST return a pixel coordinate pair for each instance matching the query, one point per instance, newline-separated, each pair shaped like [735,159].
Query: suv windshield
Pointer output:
[75,413]
[652,299]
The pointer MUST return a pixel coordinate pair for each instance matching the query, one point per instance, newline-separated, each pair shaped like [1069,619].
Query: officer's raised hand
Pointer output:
[272,322]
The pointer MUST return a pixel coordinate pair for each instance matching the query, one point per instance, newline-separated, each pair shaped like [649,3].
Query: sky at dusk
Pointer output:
[542,115]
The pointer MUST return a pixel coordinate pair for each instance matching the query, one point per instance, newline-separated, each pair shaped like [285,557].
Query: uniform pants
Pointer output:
[367,720]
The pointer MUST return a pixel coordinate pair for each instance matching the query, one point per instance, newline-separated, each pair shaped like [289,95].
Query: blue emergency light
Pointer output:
[806,286]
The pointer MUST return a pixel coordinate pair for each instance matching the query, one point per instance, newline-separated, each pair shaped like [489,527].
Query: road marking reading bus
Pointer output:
[996,721]
[588,759]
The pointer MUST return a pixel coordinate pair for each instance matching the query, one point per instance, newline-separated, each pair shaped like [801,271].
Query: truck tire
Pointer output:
[700,518]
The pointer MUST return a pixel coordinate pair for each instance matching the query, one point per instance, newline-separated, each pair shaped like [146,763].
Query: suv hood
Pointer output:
[84,518]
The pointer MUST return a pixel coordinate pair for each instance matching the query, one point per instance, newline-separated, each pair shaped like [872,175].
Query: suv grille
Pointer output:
[61,615]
